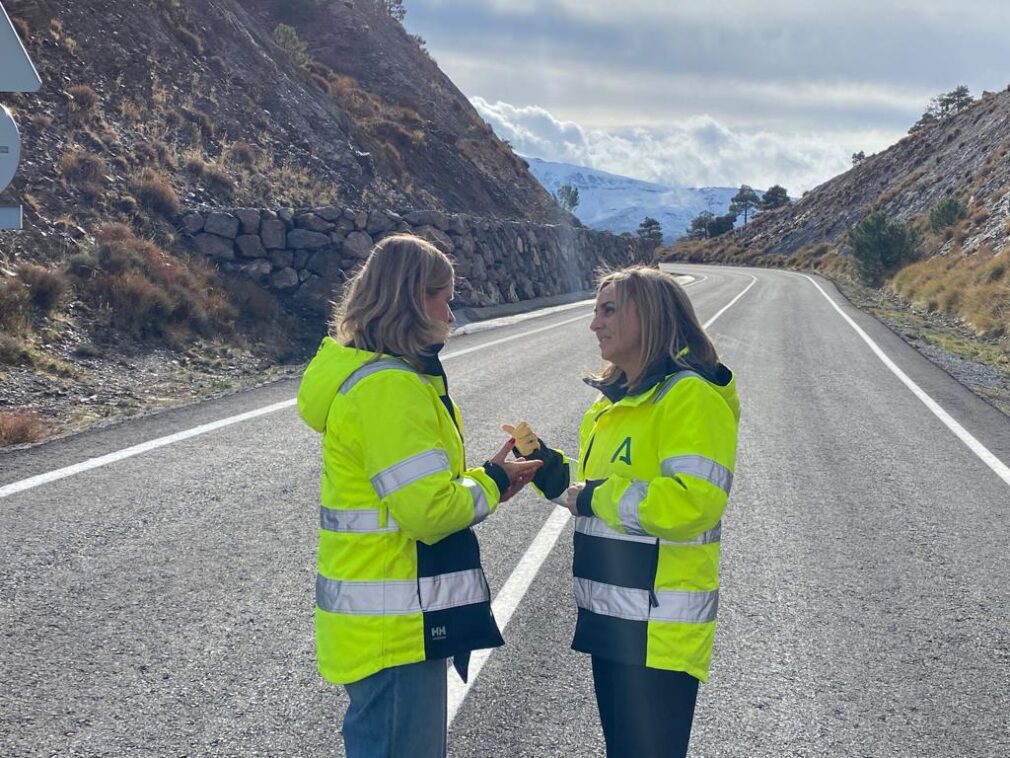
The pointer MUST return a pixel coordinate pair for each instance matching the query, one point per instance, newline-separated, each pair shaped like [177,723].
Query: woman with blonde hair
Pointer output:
[399,587]
[657,452]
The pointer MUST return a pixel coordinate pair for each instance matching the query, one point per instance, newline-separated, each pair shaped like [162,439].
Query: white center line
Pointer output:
[518,583]
[999,468]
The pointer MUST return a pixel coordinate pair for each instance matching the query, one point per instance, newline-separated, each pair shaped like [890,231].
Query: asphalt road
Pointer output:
[160,605]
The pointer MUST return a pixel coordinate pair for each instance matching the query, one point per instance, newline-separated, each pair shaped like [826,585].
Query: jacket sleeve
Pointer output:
[407,464]
[696,448]
[552,479]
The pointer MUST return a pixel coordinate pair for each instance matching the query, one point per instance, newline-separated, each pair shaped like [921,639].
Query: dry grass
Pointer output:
[82,167]
[242,153]
[219,181]
[15,306]
[83,101]
[155,193]
[150,294]
[46,288]
[974,288]
[22,28]
[21,427]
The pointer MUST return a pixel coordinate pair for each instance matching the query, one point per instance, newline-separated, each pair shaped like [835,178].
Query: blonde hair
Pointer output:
[382,308]
[669,325]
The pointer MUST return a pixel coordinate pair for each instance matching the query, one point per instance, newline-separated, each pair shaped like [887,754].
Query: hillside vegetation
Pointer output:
[926,221]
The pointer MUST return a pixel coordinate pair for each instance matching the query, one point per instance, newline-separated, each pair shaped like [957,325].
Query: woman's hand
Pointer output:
[519,471]
[526,440]
[573,495]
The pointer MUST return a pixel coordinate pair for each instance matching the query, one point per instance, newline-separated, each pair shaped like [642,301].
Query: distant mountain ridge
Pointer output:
[619,203]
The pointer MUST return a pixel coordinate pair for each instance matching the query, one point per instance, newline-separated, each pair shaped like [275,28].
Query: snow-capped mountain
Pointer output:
[619,203]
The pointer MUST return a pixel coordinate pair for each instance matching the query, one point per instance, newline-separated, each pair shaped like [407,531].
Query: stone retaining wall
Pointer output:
[305,256]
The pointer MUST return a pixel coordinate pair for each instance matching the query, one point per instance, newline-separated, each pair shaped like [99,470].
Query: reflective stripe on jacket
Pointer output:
[659,466]
[399,576]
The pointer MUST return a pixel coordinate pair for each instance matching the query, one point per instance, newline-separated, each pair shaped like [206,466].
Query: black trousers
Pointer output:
[645,713]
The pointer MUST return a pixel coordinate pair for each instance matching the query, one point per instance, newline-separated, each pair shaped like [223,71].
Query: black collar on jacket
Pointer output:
[655,373]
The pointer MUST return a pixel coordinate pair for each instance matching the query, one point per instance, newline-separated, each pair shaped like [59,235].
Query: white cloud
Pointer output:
[693,152]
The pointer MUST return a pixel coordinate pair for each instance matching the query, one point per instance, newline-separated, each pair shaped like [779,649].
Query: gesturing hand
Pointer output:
[519,471]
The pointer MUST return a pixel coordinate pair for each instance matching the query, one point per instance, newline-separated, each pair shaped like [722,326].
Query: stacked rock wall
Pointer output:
[305,256]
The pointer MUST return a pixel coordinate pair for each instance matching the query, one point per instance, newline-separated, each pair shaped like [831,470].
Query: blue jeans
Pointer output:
[398,712]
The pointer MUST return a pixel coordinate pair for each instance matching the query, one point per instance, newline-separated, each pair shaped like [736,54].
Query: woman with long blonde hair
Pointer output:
[657,451]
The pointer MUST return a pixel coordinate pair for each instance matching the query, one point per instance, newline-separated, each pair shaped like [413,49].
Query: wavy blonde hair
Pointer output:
[669,324]
[382,308]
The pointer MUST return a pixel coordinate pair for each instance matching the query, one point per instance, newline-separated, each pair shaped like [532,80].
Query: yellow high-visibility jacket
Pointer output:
[399,575]
[658,465]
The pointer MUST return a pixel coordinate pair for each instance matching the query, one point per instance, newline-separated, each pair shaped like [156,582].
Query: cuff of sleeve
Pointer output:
[498,476]
[584,502]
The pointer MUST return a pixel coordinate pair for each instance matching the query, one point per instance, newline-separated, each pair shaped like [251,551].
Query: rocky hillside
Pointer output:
[197,95]
[966,155]
[153,110]
[918,234]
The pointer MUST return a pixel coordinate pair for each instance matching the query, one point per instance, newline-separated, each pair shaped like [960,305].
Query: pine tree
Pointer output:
[567,197]
[650,233]
[746,200]
[775,197]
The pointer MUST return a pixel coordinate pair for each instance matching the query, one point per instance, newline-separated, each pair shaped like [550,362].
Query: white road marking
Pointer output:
[999,468]
[104,460]
[508,598]
[129,452]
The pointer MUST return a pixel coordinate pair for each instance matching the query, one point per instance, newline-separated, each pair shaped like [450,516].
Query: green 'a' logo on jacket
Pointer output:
[623,452]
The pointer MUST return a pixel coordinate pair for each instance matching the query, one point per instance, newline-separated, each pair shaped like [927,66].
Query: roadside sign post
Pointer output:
[17,74]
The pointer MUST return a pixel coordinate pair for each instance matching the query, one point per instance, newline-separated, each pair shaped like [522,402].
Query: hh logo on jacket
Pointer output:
[438,633]
[623,452]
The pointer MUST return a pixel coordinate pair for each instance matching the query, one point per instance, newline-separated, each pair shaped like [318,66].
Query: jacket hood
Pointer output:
[322,379]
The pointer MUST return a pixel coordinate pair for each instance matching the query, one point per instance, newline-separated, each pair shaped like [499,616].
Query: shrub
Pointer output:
[83,99]
[22,28]
[83,167]
[138,306]
[218,181]
[13,352]
[287,40]
[45,288]
[947,213]
[20,427]
[255,305]
[242,153]
[194,165]
[881,246]
[151,294]
[15,302]
[201,120]
[155,193]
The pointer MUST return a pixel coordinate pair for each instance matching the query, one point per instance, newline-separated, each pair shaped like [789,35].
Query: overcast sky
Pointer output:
[712,92]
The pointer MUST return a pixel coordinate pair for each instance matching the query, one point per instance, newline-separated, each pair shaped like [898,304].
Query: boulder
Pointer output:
[222,224]
[192,223]
[250,220]
[308,240]
[428,218]
[274,232]
[357,245]
[250,246]
[215,247]
[285,279]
